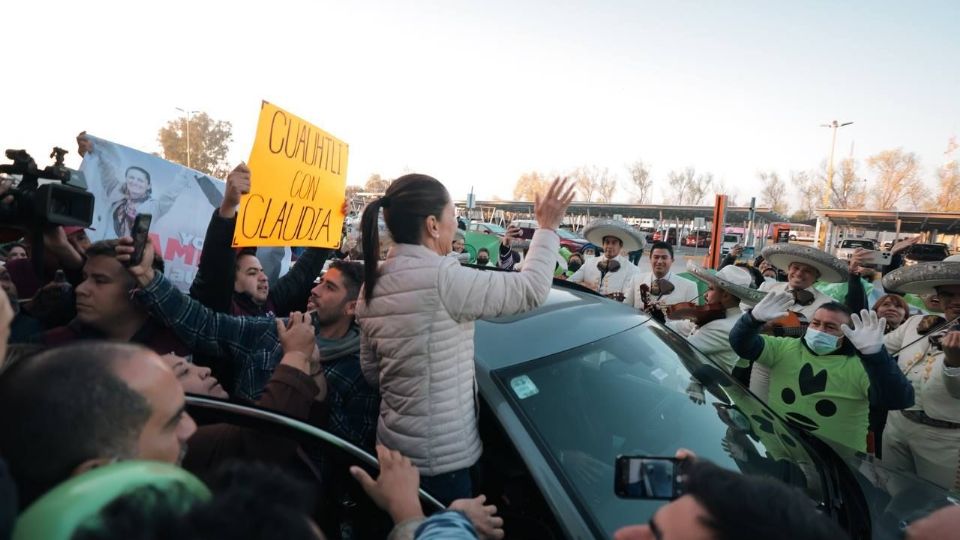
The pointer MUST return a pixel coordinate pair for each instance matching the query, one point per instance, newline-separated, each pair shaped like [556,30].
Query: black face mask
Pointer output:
[573,266]
[482,260]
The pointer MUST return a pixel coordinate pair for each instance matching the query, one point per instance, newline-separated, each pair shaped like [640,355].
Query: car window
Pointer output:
[567,235]
[633,393]
[731,238]
[927,249]
[853,244]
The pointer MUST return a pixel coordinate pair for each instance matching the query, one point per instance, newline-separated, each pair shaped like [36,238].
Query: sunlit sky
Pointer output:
[478,92]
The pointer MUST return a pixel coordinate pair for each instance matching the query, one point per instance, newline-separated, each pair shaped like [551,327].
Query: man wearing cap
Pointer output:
[925,439]
[611,273]
[660,285]
[713,338]
[804,266]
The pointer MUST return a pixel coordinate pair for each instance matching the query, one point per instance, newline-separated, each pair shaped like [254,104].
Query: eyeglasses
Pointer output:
[802,297]
[661,286]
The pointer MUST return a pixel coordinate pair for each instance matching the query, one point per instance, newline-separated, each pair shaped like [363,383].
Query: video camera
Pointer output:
[66,202]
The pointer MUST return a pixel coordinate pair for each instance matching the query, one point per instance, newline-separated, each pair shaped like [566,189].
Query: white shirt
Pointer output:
[684,290]
[613,282]
[713,338]
[936,387]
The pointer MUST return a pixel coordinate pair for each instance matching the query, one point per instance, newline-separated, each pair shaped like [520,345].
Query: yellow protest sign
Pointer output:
[298,176]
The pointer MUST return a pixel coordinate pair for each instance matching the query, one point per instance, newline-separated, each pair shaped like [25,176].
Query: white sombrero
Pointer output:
[732,279]
[924,278]
[831,269]
[596,231]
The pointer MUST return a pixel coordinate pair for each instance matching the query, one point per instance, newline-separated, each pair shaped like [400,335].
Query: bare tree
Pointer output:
[529,185]
[898,178]
[640,182]
[733,194]
[810,192]
[587,183]
[686,187]
[678,186]
[849,190]
[376,184]
[948,199]
[607,185]
[700,187]
[773,193]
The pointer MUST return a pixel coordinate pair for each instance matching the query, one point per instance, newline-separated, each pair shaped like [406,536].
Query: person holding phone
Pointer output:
[703,508]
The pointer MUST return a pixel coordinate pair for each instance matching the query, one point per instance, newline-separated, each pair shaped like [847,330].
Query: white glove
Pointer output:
[867,332]
[773,306]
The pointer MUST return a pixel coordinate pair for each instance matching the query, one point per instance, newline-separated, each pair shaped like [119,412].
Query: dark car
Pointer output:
[925,253]
[597,380]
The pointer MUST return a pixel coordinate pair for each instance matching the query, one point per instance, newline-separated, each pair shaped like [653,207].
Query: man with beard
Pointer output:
[254,346]
[611,273]
[924,438]
[74,408]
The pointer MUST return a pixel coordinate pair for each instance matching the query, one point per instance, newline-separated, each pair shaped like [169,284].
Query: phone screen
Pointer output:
[644,477]
[140,231]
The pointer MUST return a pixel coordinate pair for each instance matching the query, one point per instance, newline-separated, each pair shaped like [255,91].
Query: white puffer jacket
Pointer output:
[417,345]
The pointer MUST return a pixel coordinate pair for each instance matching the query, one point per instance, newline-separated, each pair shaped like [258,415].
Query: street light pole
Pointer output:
[833,147]
[188,113]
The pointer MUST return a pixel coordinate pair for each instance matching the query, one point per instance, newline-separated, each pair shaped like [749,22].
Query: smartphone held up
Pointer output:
[649,477]
[140,232]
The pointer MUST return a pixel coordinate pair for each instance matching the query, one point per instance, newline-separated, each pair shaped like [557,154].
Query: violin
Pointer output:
[650,306]
[792,324]
[700,315]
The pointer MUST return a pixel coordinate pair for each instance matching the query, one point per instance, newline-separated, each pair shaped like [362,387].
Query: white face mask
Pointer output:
[821,342]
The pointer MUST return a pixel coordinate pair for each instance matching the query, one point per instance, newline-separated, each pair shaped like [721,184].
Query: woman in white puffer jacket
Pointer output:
[416,314]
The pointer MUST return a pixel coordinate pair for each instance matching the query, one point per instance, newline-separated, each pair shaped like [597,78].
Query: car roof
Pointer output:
[570,317]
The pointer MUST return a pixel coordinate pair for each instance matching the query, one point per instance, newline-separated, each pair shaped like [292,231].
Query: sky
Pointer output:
[475,93]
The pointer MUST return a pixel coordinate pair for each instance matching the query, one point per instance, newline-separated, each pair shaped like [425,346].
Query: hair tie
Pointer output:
[385,202]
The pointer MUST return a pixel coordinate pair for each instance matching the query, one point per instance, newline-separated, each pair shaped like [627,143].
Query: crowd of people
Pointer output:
[377,348]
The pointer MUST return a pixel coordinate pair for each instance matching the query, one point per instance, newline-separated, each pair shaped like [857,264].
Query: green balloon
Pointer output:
[57,514]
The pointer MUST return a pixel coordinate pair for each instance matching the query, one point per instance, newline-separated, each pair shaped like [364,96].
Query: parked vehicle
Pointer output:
[555,413]
[846,247]
[925,253]
[698,239]
[568,239]
[666,235]
[488,228]
[729,240]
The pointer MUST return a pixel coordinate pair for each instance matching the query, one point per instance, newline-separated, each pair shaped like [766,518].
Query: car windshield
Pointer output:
[731,238]
[853,244]
[645,391]
[928,249]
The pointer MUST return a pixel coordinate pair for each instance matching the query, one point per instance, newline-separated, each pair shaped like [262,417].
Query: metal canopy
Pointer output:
[649,211]
[910,222]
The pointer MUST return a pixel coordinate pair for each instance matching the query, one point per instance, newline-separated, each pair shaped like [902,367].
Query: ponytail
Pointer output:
[370,243]
[406,203]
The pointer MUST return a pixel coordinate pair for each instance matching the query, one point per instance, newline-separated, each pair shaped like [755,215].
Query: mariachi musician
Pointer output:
[707,327]
[804,266]
[925,439]
[660,287]
[610,273]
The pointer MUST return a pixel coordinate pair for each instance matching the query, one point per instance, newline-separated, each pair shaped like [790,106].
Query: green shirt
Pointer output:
[828,395]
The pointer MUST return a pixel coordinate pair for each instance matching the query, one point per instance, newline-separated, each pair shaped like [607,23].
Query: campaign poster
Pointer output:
[298,176]
[127,182]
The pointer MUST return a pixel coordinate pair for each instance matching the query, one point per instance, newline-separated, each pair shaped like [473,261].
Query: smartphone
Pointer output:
[139,232]
[649,477]
[876,258]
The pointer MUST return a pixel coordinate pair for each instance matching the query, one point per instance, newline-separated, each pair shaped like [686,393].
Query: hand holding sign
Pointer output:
[301,174]
[238,184]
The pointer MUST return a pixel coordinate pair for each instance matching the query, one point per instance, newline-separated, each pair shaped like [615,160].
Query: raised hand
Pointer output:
[298,336]
[867,332]
[142,272]
[238,183]
[550,208]
[772,307]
